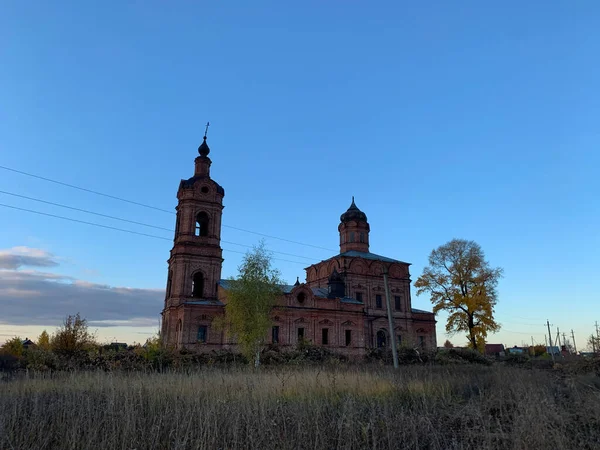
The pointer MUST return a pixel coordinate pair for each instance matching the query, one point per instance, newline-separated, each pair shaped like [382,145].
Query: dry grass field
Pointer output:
[420,407]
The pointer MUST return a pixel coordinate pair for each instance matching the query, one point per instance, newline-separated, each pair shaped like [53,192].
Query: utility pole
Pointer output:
[574,344]
[532,347]
[390,320]
[597,332]
[565,342]
[550,338]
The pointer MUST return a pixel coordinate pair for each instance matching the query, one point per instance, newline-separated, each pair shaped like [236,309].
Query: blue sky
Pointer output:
[447,119]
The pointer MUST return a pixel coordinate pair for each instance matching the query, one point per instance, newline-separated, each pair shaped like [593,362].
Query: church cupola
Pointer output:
[354,230]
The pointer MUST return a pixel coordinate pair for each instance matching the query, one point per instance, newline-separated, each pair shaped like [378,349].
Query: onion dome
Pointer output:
[203,149]
[353,213]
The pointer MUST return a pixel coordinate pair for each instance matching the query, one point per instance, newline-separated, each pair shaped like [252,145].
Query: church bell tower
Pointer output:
[196,256]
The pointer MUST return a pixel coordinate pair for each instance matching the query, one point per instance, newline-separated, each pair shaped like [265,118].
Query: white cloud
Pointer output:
[16,257]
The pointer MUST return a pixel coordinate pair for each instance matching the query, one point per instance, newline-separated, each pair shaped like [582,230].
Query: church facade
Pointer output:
[341,305]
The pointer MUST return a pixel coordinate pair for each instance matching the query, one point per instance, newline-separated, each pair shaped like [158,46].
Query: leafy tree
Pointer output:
[73,336]
[461,282]
[43,341]
[448,344]
[13,347]
[250,299]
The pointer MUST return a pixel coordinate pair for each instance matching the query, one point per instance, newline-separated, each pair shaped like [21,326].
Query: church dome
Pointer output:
[203,149]
[353,213]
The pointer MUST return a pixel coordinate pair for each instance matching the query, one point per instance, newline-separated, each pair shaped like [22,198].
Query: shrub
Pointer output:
[462,355]
[41,360]
[13,347]
[73,337]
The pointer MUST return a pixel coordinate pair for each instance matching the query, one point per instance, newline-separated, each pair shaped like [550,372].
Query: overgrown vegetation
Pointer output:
[71,393]
[355,407]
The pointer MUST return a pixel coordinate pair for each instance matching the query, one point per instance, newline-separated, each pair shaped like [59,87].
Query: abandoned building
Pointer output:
[341,305]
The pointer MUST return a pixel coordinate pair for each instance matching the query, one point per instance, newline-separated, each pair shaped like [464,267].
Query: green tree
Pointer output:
[461,282]
[13,347]
[448,344]
[250,299]
[43,341]
[73,336]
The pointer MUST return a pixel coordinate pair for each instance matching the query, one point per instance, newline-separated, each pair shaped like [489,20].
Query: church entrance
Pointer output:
[381,339]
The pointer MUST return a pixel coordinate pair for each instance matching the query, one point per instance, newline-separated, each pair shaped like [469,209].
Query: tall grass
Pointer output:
[301,408]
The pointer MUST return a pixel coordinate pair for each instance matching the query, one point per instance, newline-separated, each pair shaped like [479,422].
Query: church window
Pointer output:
[362,237]
[169,282]
[381,339]
[301,297]
[204,189]
[202,224]
[275,334]
[198,285]
[378,301]
[397,303]
[325,336]
[300,334]
[399,341]
[359,296]
[177,226]
[178,329]
[202,333]
[422,341]
[348,337]
[352,236]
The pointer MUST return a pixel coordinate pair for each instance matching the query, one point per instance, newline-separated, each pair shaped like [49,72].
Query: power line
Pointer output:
[119,229]
[84,210]
[114,197]
[132,221]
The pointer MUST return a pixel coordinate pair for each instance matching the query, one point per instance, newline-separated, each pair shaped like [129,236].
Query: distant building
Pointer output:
[341,305]
[27,343]
[518,350]
[494,350]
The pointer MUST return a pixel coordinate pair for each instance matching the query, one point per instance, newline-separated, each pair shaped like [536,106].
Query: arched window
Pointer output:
[352,236]
[177,225]
[169,282]
[381,339]
[202,221]
[198,285]
[178,330]
[362,237]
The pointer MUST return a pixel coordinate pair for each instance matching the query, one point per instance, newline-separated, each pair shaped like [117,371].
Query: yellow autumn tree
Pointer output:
[461,282]
[43,340]
[250,299]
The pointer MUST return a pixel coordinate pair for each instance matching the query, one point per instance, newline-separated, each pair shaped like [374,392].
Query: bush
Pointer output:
[73,337]
[13,347]
[462,356]
[41,360]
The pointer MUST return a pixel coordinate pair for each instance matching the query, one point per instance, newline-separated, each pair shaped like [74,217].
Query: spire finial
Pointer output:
[203,149]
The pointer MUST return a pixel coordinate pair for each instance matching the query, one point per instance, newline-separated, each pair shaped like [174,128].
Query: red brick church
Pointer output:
[342,304]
